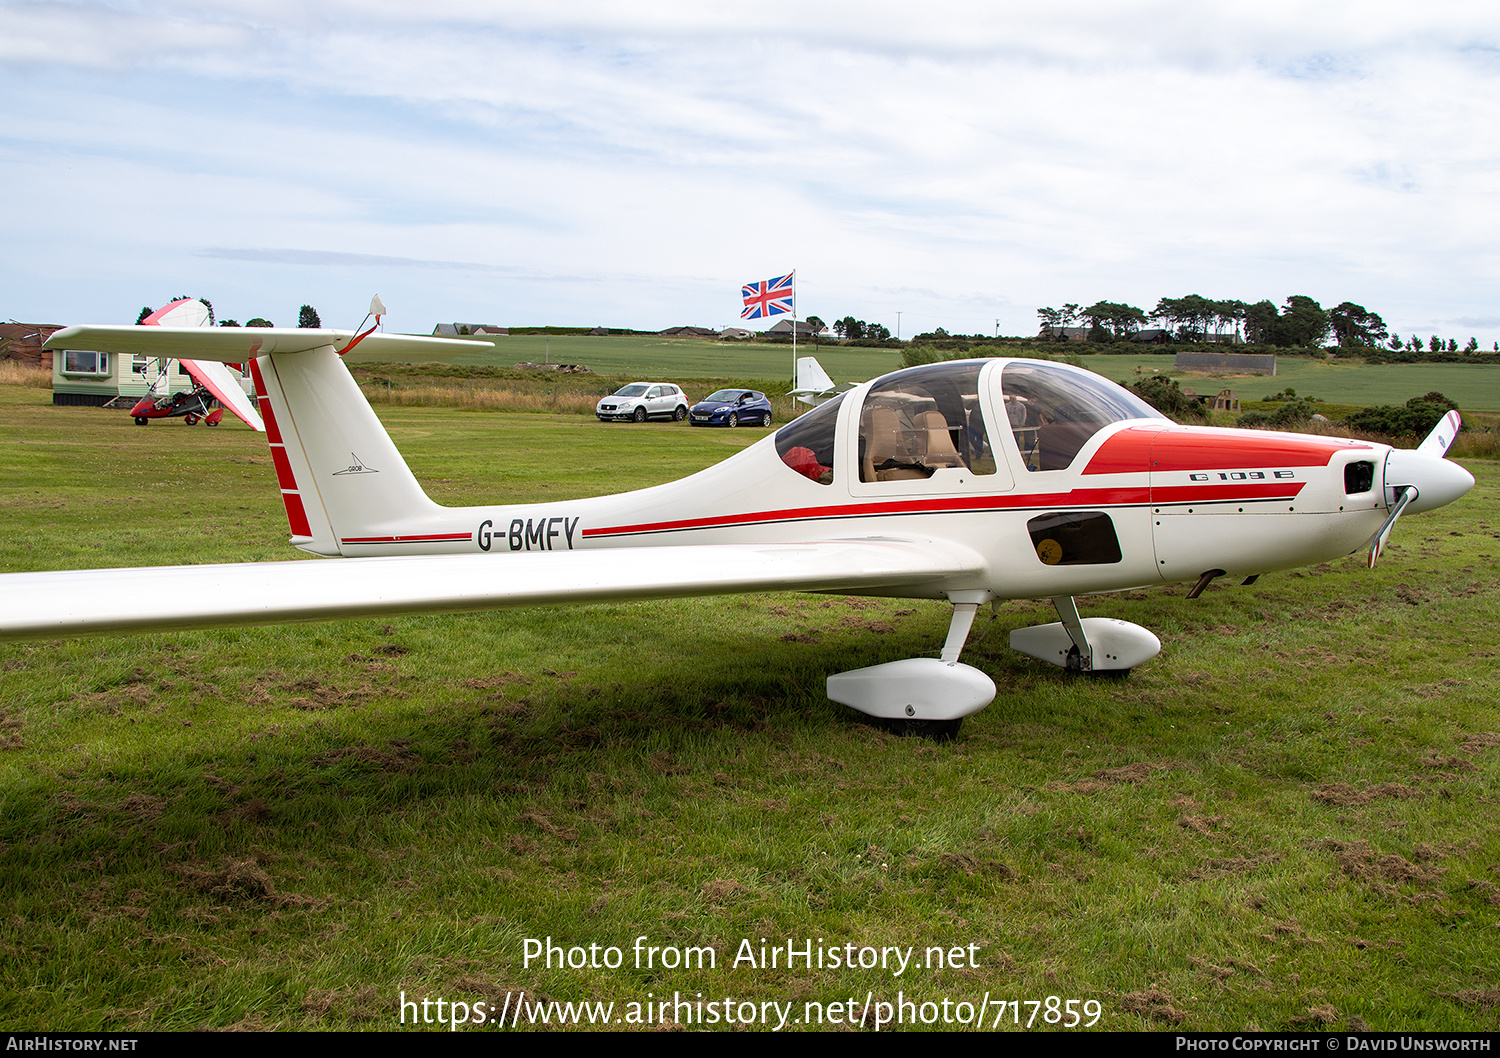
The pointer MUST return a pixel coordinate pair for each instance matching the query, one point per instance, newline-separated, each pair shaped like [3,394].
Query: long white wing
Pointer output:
[216,378]
[235,344]
[82,602]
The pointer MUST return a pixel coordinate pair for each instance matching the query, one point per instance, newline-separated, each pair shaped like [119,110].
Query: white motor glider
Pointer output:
[969,481]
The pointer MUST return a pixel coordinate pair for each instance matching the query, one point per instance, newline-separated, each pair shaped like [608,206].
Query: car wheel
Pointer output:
[640,415]
[767,420]
[141,420]
[679,414]
[734,420]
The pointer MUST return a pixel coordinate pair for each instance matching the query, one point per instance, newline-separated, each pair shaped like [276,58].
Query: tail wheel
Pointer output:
[640,415]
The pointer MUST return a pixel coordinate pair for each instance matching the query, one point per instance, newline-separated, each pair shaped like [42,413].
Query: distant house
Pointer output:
[1161,336]
[1060,334]
[688,332]
[23,342]
[804,329]
[460,330]
[576,369]
[736,332]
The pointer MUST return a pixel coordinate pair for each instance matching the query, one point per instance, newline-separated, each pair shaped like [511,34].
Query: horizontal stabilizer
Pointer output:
[83,602]
[234,345]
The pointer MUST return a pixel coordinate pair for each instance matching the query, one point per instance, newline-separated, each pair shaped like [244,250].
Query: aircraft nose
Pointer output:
[1438,481]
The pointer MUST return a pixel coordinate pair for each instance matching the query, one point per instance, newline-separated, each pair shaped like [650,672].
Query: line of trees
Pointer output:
[1300,322]
[307,316]
[1434,344]
[849,327]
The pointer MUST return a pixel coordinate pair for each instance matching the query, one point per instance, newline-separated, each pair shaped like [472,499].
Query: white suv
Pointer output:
[644,400]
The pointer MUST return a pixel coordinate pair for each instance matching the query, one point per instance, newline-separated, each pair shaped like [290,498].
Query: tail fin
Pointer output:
[342,478]
[813,386]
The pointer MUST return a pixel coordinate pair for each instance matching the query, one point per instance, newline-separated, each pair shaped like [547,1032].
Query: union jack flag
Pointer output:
[770,298]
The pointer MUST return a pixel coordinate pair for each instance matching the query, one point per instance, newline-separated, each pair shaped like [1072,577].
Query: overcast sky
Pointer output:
[596,162]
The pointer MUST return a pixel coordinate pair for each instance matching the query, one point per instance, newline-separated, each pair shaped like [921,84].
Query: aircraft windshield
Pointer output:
[1053,412]
[922,420]
[806,443]
[636,390]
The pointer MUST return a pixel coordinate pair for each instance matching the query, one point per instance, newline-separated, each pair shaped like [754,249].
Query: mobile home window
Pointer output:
[84,362]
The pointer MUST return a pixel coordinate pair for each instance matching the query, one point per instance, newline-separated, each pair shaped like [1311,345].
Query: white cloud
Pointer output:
[958,160]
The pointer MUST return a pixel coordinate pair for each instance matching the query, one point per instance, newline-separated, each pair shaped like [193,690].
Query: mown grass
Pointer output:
[1284,821]
[497,389]
[1341,381]
[1476,387]
[666,359]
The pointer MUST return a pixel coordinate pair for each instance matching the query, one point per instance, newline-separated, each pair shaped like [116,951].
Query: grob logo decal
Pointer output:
[355,467]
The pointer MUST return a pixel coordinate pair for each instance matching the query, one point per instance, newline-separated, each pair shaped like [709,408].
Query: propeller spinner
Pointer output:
[1421,479]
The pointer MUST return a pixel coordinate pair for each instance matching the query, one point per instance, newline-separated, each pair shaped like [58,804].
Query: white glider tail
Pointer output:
[812,385]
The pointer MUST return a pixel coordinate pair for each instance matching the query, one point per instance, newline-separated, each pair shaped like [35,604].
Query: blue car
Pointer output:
[731,407]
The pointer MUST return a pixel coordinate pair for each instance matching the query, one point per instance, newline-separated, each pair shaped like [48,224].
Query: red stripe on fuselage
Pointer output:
[946,505]
[1078,498]
[425,538]
[1178,494]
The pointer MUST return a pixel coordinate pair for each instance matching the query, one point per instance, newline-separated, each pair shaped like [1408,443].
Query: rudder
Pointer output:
[341,476]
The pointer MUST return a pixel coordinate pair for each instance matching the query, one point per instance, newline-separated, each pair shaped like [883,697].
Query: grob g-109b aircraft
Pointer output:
[970,481]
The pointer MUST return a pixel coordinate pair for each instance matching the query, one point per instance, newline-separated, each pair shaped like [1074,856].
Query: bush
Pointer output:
[1415,419]
[1166,396]
[1292,411]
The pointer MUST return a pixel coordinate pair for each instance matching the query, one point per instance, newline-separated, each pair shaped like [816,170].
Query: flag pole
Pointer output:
[794,326]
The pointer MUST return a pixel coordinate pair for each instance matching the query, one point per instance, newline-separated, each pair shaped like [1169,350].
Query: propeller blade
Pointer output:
[1442,436]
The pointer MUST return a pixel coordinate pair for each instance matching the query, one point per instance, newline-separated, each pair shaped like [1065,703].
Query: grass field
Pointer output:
[1474,387]
[1284,821]
[646,357]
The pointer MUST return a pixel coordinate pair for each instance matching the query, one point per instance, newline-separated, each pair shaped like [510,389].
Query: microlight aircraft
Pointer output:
[212,380]
[967,481]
